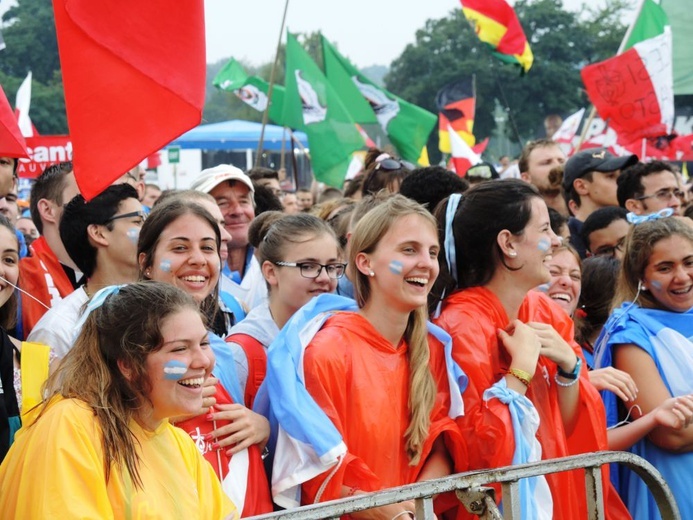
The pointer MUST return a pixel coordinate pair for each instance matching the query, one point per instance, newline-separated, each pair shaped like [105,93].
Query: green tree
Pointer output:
[562,42]
[29,33]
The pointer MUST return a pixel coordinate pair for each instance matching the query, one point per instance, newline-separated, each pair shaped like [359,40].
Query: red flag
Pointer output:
[12,143]
[134,79]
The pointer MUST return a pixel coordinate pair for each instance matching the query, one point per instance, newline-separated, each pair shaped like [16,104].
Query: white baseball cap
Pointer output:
[212,177]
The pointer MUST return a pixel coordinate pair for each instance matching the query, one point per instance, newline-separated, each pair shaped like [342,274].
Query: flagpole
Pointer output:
[270,89]
[593,111]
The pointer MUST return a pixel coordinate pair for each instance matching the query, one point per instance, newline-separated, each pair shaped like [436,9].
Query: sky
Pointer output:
[368,32]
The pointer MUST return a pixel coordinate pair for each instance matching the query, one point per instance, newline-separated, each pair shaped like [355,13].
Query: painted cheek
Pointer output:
[133,234]
[175,370]
[544,245]
[396,267]
[165,265]
[656,284]
[544,287]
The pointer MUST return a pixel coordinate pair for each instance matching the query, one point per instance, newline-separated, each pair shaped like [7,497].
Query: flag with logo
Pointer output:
[312,105]
[634,90]
[134,79]
[497,25]
[456,105]
[12,143]
[566,133]
[252,90]
[406,125]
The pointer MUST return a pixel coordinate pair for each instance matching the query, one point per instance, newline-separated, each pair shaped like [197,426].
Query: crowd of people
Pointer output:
[235,348]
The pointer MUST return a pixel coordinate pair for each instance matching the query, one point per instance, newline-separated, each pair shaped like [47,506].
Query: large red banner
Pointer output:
[44,150]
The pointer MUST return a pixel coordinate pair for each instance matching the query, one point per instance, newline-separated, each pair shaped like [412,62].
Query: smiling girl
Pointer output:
[179,245]
[102,445]
[648,336]
[300,258]
[375,377]
[516,346]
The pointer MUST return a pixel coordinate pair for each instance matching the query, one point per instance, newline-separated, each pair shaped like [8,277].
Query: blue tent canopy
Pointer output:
[237,135]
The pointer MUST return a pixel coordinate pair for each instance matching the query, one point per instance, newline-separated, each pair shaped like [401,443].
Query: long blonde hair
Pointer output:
[422,387]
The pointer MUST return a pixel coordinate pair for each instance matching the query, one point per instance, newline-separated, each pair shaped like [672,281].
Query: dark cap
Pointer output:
[593,160]
[482,172]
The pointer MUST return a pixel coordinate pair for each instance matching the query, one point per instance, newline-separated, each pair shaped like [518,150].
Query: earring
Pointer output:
[148,273]
[371,273]
[512,254]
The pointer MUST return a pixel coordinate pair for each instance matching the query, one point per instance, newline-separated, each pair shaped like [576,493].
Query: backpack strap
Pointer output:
[257,364]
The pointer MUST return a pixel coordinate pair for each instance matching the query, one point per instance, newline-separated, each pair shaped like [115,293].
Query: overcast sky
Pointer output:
[369,32]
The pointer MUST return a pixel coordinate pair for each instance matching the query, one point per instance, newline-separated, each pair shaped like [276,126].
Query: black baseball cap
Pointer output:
[594,160]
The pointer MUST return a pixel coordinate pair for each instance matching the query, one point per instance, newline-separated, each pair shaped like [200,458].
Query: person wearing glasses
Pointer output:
[300,258]
[604,232]
[179,245]
[647,188]
[101,238]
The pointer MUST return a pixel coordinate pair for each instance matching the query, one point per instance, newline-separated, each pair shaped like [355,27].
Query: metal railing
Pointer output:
[479,500]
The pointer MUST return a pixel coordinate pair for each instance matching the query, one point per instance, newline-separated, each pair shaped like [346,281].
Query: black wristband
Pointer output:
[574,374]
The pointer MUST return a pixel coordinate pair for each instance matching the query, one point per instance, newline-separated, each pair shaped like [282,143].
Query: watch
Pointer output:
[574,374]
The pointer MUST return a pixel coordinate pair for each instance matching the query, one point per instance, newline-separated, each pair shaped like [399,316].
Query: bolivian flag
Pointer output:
[496,24]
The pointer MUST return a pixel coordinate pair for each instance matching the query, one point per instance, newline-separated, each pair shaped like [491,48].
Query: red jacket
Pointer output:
[42,276]
[472,317]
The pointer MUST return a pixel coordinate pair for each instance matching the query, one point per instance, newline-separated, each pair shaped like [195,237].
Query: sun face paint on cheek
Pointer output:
[133,234]
[396,267]
[175,370]
[544,245]
[165,265]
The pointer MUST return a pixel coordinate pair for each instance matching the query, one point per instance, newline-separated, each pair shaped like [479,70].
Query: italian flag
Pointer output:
[634,90]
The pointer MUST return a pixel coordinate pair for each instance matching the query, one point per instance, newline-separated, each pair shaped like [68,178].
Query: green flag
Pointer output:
[252,90]
[406,125]
[312,105]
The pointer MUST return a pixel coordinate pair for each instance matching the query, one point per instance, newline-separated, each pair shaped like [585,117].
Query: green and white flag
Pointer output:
[312,105]
[252,90]
[406,125]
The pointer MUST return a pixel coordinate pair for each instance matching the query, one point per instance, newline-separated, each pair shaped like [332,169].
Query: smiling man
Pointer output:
[233,192]
[646,188]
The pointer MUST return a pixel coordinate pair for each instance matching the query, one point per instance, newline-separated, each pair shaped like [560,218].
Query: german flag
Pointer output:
[497,25]
[456,103]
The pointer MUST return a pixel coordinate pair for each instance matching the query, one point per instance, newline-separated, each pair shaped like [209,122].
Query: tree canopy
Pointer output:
[447,49]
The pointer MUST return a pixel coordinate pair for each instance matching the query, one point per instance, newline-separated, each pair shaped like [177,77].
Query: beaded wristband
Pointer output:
[524,377]
[564,385]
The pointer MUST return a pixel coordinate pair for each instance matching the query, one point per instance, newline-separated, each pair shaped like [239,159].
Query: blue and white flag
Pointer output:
[303,441]
[664,335]
[535,496]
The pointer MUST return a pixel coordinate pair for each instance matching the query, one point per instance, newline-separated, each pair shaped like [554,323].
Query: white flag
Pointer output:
[22,104]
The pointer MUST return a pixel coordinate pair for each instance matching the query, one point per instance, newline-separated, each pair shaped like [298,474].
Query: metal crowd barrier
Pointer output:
[479,500]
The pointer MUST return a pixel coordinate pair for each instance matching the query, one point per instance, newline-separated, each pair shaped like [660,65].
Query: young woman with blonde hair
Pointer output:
[375,376]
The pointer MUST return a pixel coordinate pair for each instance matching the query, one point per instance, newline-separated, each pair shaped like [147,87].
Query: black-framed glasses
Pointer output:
[611,250]
[664,195]
[141,214]
[313,269]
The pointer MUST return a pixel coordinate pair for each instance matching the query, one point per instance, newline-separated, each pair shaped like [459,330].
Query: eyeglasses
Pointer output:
[611,250]
[665,195]
[133,214]
[313,269]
